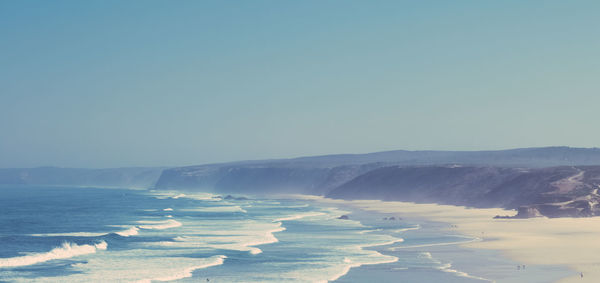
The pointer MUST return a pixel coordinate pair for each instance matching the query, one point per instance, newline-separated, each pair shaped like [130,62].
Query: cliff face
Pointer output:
[552,192]
[261,178]
[512,179]
[319,174]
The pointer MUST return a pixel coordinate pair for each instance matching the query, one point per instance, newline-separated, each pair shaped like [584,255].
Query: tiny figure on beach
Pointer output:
[518,267]
[581,274]
[523,266]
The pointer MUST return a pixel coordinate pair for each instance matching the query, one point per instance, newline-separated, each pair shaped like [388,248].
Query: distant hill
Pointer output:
[550,181]
[319,174]
[113,177]
[553,192]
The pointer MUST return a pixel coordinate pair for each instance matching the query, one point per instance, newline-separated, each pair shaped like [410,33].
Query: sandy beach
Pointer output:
[571,242]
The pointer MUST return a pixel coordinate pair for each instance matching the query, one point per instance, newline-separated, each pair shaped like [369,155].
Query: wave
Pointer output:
[242,236]
[349,264]
[268,239]
[232,208]
[370,231]
[178,196]
[391,242]
[129,232]
[187,272]
[407,229]
[125,233]
[159,225]
[168,209]
[447,267]
[299,216]
[471,240]
[66,250]
[71,234]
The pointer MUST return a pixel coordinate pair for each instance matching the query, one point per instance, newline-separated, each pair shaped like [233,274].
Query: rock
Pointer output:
[503,217]
[230,197]
[527,212]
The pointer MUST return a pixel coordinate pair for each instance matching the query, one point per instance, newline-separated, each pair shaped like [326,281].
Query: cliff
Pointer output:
[552,192]
[552,181]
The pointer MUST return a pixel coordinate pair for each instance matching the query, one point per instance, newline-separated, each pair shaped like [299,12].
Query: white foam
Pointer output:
[178,196]
[136,265]
[471,240]
[168,209]
[299,216]
[231,208]
[407,229]
[187,272]
[447,267]
[66,250]
[159,225]
[370,231]
[129,232]
[240,235]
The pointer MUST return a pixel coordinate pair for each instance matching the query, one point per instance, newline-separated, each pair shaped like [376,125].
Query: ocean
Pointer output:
[69,234]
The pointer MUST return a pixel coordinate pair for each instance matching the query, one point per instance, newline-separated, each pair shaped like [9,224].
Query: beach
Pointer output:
[568,242]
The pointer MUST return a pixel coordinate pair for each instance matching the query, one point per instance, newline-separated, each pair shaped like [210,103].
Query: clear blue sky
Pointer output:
[144,83]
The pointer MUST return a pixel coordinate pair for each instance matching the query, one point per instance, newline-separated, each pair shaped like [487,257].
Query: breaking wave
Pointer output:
[66,250]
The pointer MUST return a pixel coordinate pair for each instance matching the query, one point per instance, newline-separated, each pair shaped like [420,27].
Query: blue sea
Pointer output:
[68,234]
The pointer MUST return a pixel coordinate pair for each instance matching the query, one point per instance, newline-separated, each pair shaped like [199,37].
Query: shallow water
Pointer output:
[90,234]
[60,234]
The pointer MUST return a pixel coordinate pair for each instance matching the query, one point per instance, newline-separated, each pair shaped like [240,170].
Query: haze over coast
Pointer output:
[551,181]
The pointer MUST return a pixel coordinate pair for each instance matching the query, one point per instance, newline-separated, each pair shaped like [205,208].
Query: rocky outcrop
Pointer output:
[527,212]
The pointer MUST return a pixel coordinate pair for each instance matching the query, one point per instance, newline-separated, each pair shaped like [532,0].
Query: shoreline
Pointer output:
[543,242]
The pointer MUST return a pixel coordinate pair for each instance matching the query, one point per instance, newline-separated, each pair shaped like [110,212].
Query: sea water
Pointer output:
[66,234]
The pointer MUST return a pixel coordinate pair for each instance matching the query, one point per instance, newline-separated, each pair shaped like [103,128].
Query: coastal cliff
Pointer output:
[553,182]
[552,192]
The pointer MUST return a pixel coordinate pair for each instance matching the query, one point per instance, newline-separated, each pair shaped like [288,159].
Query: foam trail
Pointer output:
[352,264]
[299,216]
[447,268]
[178,196]
[268,239]
[407,229]
[232,208]
[187,272]
[67,250]
[245,240]
[437,244]
[159,225]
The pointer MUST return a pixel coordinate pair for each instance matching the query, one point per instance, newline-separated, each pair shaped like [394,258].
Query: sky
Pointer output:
[170,83]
